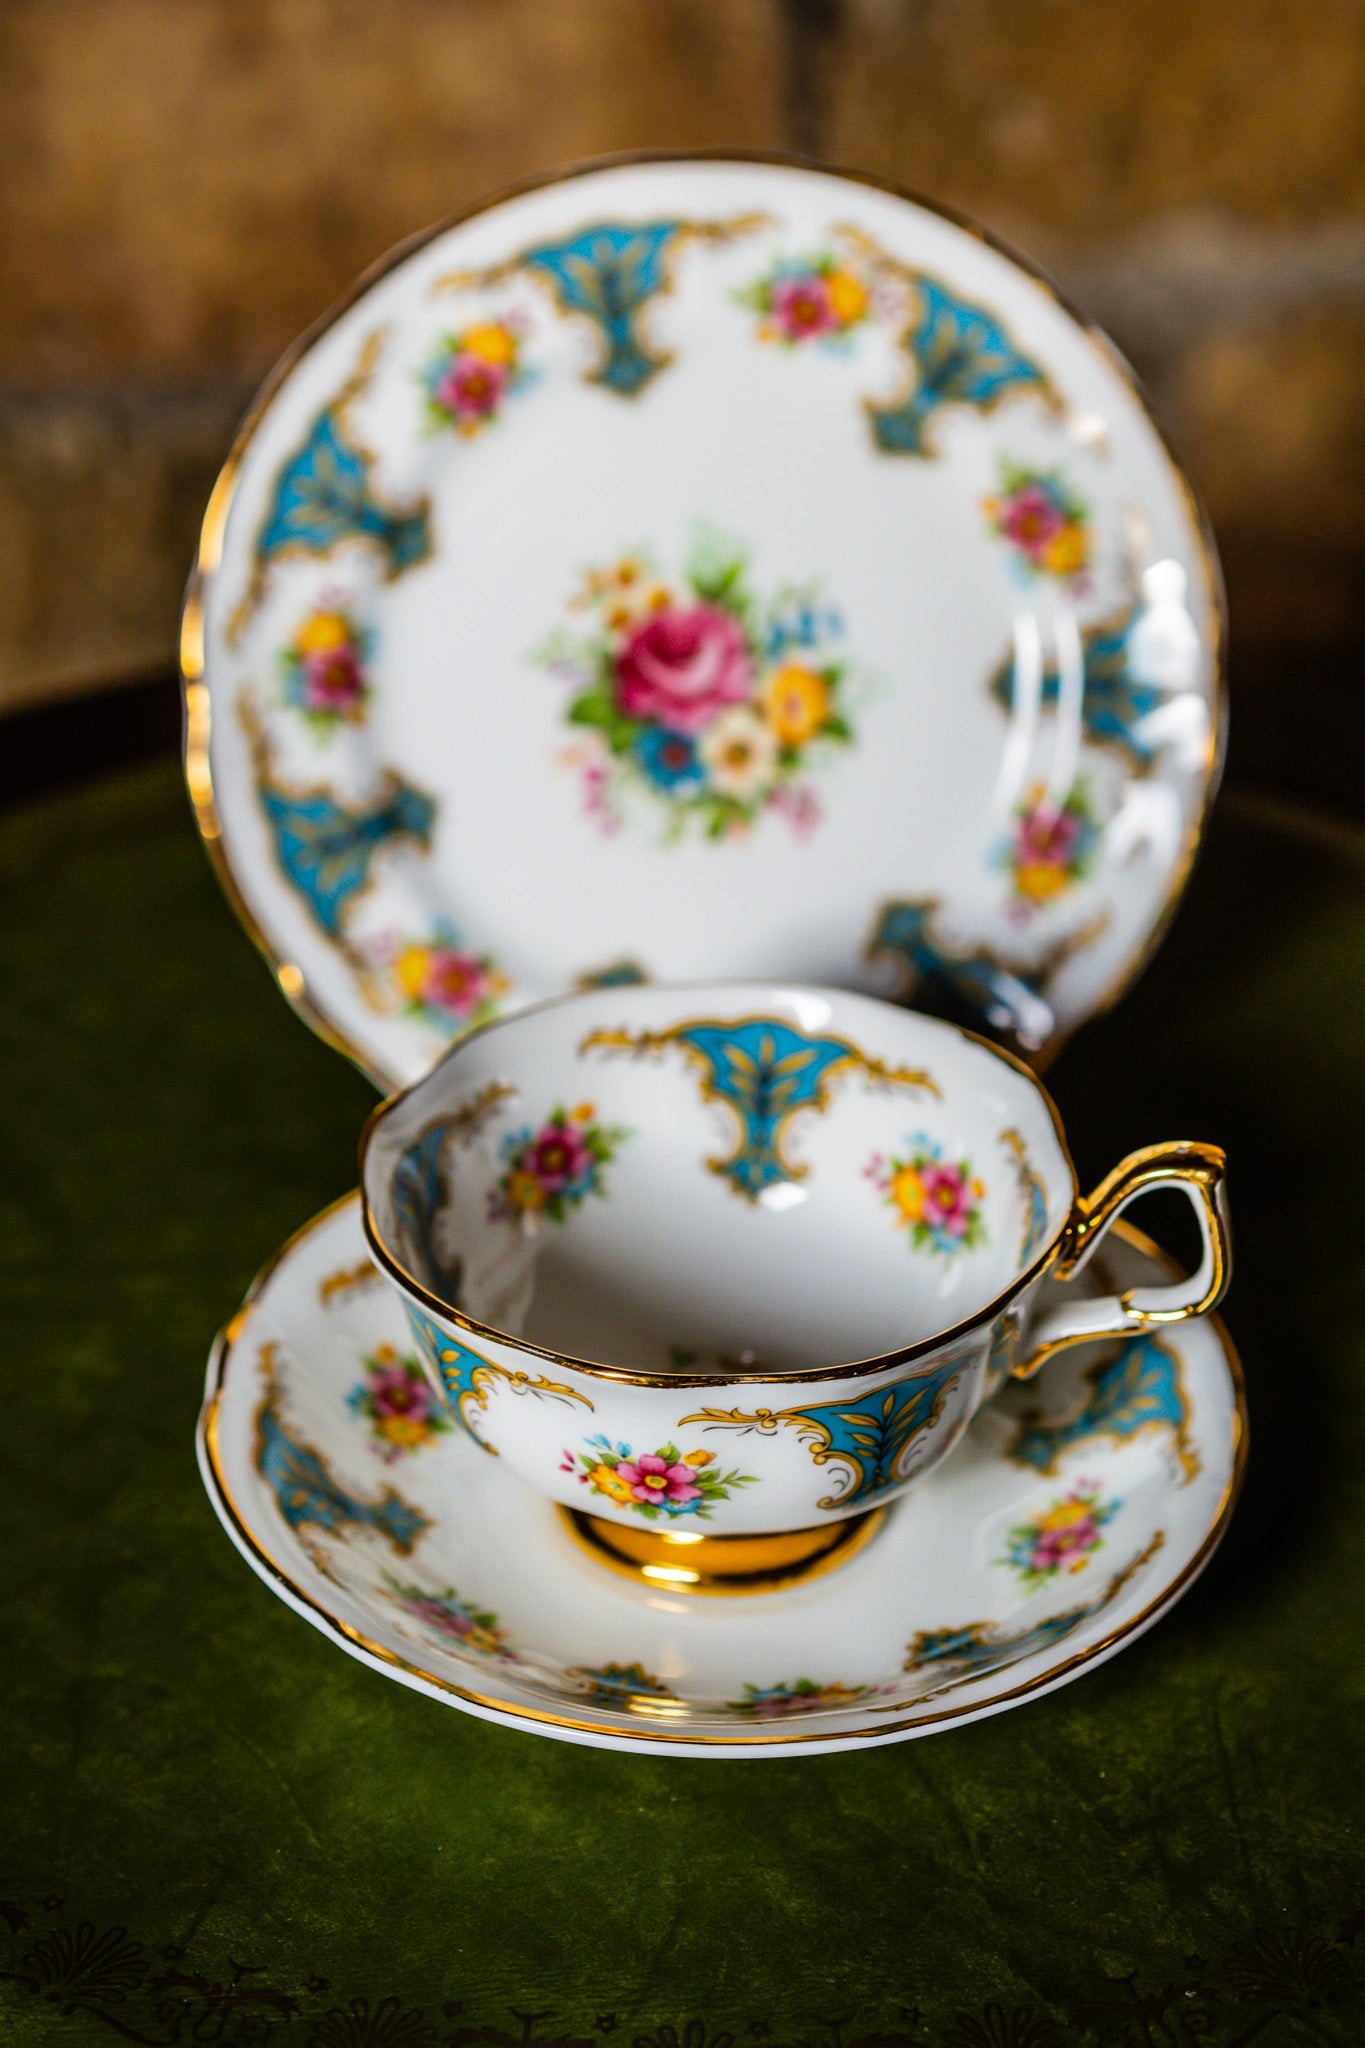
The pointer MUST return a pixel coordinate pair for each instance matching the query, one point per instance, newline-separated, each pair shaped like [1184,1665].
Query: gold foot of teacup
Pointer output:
[685,1563]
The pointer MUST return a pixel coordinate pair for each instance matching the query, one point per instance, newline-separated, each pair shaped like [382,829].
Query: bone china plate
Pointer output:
[1072,1515]
[695,568]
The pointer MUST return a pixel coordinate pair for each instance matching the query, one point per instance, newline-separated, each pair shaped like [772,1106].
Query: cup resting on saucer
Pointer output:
[733,1259]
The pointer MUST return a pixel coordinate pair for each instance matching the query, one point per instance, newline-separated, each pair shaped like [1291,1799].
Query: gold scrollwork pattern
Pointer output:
[466,1378]
[763,1070]
[871,1440]
[1032,1194]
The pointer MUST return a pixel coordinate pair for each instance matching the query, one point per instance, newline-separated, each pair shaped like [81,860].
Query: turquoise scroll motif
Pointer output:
[306,1491]
[1113,705]
[957,1656]
[871,1438]
[324,495]
[608,274]
[326,848]
[466,1377]
[417,1191]
[1140,1388]
[966,979]
[959,355]
[764,1070]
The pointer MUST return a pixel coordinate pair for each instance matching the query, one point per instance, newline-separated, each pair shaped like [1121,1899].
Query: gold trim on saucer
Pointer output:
[720,1565]
[612,1727]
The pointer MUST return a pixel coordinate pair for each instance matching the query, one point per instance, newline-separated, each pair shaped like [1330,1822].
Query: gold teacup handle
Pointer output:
[1197,1170]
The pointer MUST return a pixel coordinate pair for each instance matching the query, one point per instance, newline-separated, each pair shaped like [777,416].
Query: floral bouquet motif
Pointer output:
[666,1482]
[1043,520]
[551,1171]
[712,703]
[937,1199]
[400,1407]
[447,986]
[325,670]
[472,373]
[473,1628]
[807,298]
[1051,849]
[1063,1538]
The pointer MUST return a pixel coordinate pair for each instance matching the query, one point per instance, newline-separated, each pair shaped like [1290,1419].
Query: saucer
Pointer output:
[1077,1509]
[688,568]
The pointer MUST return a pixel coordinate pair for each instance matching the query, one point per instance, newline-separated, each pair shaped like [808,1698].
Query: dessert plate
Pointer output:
[1076,1510]
[687,568]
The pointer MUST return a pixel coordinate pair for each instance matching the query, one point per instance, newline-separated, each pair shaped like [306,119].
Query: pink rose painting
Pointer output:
[679,668]
[699,697]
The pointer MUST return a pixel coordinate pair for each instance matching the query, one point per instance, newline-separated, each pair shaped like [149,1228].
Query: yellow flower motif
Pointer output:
[1064,1514]
[1068,552]
[403,1430]
[622,580]
[796,701]
[847,296]
[585,1113]
[524,1191]
[1040,881]
[322,633]
[606,1481]
[411,969]
[907,1192]
[696,1459]
[494,342]
[482,1639]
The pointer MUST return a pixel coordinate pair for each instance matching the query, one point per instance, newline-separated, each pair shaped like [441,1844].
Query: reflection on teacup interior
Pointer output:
[765,1186]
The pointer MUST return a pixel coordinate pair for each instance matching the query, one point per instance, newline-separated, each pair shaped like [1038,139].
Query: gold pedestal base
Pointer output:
[684,1563]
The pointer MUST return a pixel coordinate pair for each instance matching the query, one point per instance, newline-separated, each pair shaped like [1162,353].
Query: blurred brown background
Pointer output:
[187,183]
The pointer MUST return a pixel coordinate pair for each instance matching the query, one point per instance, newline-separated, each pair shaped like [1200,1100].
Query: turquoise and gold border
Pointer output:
[377,1654]
[764,1070]
[288,974]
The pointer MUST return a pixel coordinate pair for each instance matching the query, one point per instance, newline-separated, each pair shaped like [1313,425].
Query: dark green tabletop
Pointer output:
[216,1828]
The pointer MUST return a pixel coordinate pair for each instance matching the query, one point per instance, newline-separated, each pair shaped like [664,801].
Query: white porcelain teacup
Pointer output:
[739,1260]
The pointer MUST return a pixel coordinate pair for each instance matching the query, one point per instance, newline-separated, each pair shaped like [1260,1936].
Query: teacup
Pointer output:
[741,1261]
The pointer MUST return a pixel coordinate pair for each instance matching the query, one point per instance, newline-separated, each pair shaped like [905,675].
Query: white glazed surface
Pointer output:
[483,1602]
[705,1245]
[768,444]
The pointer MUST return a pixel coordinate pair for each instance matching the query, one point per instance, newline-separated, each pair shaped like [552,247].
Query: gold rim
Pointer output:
[366,1647]
[724,1567]
[861,1368]
[288,974]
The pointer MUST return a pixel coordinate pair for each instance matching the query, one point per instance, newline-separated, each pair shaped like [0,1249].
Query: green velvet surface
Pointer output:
[1170,1848]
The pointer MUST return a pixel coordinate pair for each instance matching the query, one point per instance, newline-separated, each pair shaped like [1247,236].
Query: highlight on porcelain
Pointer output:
[1076,1510]
[885,649]
[736,1258]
